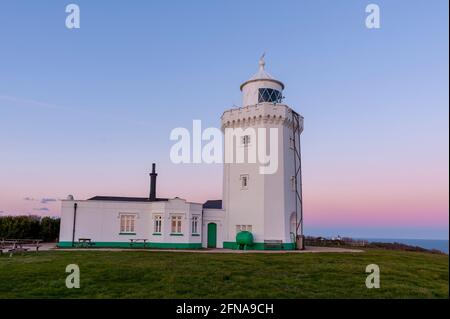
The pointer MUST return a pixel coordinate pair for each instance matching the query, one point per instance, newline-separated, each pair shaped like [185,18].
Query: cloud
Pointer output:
[44,200]
[30,103]
[1,212]
[14,101]
[42,209]
[47,200]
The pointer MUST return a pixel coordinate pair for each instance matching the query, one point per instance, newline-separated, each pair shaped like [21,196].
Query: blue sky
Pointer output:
[87,111]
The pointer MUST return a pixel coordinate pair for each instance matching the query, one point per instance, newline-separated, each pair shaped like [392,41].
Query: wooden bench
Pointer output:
[84,243]
[19,245]
[273,244]
[5,245]
[137,240]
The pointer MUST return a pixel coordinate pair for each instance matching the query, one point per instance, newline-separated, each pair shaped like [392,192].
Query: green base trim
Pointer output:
[68,244]
[156,234]
[195,235]
[125,234]
[176,234]
[258,246]
[226,245]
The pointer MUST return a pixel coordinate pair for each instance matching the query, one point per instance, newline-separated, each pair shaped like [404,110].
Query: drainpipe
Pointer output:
[201,232]
[75,205]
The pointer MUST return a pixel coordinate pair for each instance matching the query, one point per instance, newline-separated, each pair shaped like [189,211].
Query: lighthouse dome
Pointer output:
[261,87]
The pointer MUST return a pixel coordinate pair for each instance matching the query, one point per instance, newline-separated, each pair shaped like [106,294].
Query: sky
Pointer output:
[86,111]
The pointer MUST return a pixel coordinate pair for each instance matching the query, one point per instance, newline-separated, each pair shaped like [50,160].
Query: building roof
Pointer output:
[215,204]
[126,199]
[262,75]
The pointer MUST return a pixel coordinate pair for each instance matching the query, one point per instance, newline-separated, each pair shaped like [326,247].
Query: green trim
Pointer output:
[227,245]
[156,234]
[68,244]
[258,246]
[176,234]
[124,234]
[195,235]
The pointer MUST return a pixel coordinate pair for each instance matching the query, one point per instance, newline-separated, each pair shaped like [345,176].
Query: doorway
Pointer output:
[212,235]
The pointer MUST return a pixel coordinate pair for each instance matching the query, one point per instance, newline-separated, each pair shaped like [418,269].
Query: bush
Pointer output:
[29,227]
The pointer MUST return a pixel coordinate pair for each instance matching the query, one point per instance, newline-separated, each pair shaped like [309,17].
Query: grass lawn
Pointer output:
[142,274]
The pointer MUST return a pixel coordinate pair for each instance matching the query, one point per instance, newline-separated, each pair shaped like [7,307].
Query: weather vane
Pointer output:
[262,62]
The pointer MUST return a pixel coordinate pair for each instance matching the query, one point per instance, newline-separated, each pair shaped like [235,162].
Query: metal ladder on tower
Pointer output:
[299,238]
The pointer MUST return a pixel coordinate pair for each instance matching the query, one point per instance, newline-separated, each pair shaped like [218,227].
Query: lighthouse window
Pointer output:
[127,223]
[244,181]
[269,95]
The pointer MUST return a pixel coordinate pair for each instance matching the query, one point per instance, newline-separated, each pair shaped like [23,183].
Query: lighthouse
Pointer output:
[261,207]
[267,204]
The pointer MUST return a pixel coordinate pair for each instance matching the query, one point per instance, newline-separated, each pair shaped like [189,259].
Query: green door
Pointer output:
[212,235]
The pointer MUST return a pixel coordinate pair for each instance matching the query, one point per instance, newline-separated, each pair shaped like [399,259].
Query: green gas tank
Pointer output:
[244,239]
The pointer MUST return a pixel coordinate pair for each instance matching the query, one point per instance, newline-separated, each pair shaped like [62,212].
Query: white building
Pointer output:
[268,206]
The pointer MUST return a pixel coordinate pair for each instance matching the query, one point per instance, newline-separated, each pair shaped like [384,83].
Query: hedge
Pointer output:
[29,227]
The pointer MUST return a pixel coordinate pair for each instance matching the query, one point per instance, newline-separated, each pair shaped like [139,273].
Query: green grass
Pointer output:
[143,274]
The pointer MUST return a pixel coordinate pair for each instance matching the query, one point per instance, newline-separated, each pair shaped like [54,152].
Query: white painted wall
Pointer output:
[100,220]
[269,201]
[250,90]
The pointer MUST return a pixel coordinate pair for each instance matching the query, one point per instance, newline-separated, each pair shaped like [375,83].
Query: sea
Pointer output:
[439,244]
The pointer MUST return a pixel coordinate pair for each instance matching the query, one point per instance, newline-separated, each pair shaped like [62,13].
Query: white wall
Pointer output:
[100,220]
[269,201]
[250,90]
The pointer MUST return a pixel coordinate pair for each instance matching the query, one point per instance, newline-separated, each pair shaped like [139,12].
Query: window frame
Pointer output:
[157,224]
[194,225]
[127,223]
[269,95]
[246,140]
[242,178]
[240,228]
[177,228]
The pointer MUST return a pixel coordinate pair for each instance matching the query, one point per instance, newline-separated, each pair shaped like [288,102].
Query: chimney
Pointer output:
[153,175]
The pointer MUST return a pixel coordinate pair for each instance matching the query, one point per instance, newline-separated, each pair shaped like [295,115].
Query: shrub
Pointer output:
[29,227]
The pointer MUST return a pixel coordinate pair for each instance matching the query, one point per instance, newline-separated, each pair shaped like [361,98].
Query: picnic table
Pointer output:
[19,245]
[137,240]
[84,243]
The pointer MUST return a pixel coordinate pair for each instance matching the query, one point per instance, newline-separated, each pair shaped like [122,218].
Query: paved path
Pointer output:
[47,246]
[309,249]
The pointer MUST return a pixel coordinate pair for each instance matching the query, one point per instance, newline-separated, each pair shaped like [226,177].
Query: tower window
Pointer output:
[245,140]
[269,95]
[244,181]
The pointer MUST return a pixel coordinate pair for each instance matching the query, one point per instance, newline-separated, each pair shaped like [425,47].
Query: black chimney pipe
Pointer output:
[153,175]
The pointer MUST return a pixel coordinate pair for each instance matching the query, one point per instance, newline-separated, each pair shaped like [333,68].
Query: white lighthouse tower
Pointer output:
[268,204]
